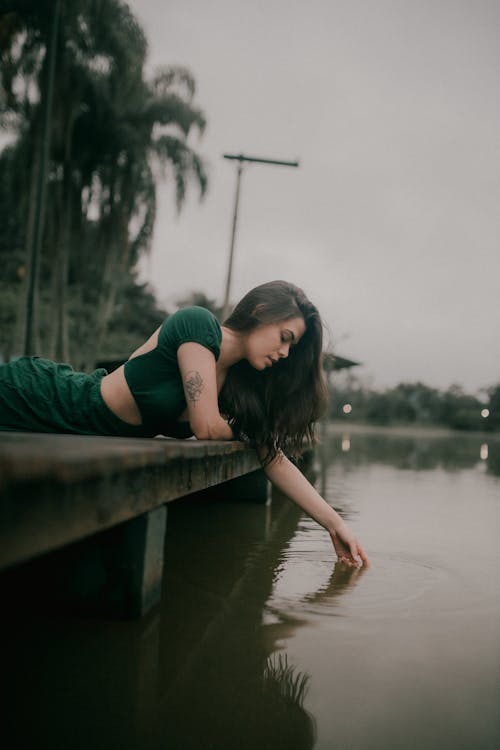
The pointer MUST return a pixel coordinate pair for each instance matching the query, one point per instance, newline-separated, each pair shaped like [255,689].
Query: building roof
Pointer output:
[336,362]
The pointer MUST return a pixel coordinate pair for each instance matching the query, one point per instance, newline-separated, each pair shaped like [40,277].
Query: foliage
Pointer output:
[201,300]
[136,316]
[414,403]
[493,406]
[114,135]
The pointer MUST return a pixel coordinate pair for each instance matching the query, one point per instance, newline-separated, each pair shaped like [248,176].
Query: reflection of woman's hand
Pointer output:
[347,547]
[342,578]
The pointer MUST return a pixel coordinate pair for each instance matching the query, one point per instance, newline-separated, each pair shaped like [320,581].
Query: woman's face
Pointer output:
[270,342]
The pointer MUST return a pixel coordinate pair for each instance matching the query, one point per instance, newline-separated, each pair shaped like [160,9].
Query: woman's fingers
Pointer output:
[363,555]
[345,555]
[351,551]
[357,553]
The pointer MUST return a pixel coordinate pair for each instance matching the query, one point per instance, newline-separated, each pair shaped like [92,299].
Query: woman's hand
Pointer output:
[347,547]
[287,478]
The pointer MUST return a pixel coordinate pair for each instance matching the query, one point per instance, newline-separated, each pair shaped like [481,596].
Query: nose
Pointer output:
[283,350]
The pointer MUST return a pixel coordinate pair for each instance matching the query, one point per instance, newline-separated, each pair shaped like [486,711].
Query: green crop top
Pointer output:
[154,378]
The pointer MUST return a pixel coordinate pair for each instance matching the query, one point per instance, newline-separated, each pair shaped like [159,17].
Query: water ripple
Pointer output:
[391,584]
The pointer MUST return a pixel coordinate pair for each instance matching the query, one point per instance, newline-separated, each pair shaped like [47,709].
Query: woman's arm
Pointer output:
[199,379]
[289,480]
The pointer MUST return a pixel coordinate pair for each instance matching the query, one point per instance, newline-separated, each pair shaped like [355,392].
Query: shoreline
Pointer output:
[430,431]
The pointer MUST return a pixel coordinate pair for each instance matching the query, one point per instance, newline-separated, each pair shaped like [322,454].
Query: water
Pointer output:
[262,642]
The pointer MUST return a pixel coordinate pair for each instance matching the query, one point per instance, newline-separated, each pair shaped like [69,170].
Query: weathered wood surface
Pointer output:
[57,489]
[27,456]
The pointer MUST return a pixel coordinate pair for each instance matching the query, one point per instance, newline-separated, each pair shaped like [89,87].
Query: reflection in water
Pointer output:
[284,691]
[343,578]
[227,669]
[204,672]
[413,452]
[346,444]
[261,642]
[307,599]
[417,644]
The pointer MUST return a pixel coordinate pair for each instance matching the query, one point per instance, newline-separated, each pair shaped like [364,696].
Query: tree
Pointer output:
[201,300]
[114,135]
[409,403]
[493,420]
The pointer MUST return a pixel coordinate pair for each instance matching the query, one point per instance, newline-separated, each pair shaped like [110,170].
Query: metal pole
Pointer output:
[32,294]
[240,158]
[225,310]
[259,160]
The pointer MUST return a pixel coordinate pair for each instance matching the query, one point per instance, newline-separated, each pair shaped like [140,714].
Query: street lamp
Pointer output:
[240,158]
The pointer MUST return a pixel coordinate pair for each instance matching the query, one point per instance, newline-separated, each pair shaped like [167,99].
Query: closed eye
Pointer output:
[287,337]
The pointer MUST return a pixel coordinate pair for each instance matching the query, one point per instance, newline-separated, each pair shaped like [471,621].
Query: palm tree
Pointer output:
[136,142]
[114,136]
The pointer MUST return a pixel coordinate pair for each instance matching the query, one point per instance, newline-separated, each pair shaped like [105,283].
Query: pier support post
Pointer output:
[115,574]
[118,573]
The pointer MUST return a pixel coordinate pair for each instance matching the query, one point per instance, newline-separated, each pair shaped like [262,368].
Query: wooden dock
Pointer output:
[90,512]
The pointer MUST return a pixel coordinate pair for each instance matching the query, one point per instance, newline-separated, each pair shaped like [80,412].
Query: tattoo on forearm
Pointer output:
[193,385]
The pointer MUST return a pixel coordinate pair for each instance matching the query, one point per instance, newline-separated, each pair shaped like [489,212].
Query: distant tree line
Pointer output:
[414,403]
[113,134]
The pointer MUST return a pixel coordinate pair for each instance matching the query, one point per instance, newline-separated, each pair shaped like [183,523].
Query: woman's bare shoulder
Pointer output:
[148,345]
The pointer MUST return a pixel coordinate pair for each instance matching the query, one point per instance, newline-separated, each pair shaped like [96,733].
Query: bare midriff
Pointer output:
[118,398]
[115,391]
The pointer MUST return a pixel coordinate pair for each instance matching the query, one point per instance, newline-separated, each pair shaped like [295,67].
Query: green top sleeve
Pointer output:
[190,324]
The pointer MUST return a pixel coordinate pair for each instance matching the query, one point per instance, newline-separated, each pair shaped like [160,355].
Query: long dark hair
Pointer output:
[275,409]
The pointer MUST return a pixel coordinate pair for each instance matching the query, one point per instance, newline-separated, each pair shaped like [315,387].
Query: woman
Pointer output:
[258,378]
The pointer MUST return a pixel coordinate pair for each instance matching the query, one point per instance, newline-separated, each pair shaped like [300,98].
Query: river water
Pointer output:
[261,641]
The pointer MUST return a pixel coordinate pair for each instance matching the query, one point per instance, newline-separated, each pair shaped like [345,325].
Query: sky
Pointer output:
[391,223]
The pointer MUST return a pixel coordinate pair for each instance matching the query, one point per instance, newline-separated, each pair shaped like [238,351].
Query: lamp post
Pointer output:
[241,159]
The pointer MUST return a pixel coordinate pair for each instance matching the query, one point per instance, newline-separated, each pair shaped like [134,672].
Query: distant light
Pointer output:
[346,445]
[347,408]
[483,453]
[485,413]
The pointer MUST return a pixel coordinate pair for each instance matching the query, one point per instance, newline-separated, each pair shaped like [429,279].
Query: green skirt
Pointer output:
[37,395]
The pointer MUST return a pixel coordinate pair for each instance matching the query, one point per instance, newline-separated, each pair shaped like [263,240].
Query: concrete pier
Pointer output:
[90,512]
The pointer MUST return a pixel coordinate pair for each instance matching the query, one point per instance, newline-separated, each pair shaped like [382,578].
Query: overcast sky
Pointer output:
[392,222]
